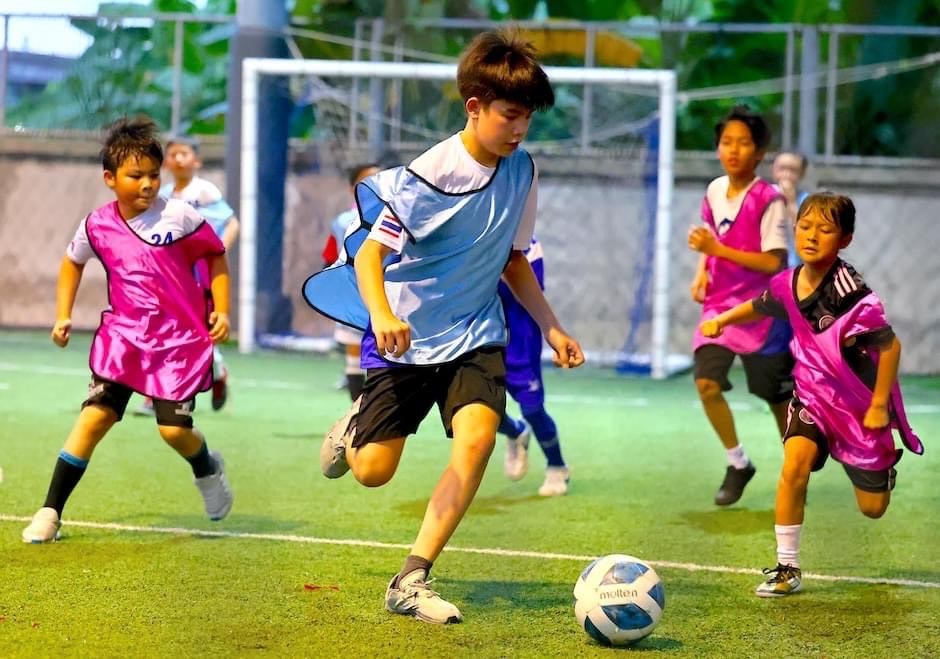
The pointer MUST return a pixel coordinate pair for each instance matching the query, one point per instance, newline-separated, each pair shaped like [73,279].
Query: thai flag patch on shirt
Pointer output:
[390,225]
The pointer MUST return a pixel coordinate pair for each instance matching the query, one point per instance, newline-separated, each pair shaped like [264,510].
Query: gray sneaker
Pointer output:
[414,597]
[333,462]
[215,490]
[44,527]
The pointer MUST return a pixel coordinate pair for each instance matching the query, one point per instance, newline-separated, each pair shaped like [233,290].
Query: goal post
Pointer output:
[662,83]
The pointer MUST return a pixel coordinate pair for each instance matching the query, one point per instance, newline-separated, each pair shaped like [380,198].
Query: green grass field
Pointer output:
[300,566]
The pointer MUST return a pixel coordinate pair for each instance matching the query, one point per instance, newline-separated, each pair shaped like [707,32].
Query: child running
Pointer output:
[156,336]
[847,398]
[441,232]
[743,243]
[524,384]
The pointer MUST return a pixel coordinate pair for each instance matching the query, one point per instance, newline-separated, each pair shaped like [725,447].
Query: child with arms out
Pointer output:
[742,244]
[442,232]
[154,338]
[847,399]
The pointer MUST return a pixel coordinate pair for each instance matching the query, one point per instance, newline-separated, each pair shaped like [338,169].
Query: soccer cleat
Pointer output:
[556,482]
[146,408]
[216,493]
[44,527]
[732,487]
[516,460]
[413,597]
[220,390]
[333,461]
[781,581]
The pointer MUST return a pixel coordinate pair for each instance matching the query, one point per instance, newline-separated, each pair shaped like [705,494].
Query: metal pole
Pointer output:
[353,136]
[659,367]
[809,74]
[248,209]
[4,70]
[831,93]
[587,105]
[177,103]
[787,137]
[397,56]
[376,135]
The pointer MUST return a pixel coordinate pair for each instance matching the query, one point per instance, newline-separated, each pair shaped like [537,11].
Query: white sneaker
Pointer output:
[516,460]
[556,482]
[146,408]
[216,493]
[414,597]
[333,462]
[44,527]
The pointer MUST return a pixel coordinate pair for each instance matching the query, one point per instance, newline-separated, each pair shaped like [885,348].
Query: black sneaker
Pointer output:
[732,487]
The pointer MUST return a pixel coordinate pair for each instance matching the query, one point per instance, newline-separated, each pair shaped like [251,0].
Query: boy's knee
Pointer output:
[372,474]
[174,434]
[795,473]
[873,507]
[708,389]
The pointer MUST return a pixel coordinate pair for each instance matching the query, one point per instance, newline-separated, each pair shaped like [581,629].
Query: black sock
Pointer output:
[413,563]
[68,471]
[355,382]
[201,462]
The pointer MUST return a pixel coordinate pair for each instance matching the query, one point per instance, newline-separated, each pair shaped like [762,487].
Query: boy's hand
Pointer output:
[701,239]
[699,286]
[61,332]
[392,335]
[568,352]
[710,328]
[218,326]
[876,417]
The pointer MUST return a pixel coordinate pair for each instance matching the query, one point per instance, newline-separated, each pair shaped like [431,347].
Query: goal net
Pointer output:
[605,157]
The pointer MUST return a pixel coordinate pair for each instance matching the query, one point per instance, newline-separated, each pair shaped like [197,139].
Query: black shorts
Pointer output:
[396,399]
[115,396]
[801,424]
[769,377]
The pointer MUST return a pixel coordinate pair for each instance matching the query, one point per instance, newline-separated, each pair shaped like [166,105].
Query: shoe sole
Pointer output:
[37,541]
[767,595]
[414,614]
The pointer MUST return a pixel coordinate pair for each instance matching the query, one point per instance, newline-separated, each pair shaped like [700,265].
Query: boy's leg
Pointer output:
[104,407]
[175,423]
[712,363]
[800,455]
[516,458]
[219,380]
[770,378]
[355,375]
[474,427]
[872,489]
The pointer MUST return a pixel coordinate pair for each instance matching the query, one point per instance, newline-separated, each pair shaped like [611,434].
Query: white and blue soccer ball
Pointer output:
[619,599]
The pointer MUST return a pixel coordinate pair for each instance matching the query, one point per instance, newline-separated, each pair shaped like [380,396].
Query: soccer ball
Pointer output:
[618,599]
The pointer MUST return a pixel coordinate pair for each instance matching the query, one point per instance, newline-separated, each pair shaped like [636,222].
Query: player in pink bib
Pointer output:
[847,400]
[156,336]
[743,243]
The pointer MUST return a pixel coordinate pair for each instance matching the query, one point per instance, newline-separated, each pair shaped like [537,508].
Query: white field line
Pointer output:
[486,551]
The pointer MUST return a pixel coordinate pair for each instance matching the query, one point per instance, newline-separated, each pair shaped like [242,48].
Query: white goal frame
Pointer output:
[253,68]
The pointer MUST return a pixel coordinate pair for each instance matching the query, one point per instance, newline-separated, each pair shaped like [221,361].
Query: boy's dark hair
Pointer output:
[760,131]
[501,65]
[130,137]
[836,208]
[185,140]
[356,171]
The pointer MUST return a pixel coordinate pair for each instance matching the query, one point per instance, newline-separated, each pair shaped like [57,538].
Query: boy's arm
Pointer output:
[743,313]
[701,239]
[70,276]
[219,284]
[877,415]
[521,280]
[230,234]
[700,281]
[392,335]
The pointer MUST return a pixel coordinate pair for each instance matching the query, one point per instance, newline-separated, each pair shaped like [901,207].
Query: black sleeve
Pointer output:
[878,338]
[768,305]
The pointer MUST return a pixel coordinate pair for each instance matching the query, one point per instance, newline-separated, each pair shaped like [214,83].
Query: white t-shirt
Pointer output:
[449,166]
[773,225]
[162,223]
[207,198]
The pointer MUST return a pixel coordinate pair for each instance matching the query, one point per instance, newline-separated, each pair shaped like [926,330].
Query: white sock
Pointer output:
[218,364]
[352,365]
[737,458]
[788,544]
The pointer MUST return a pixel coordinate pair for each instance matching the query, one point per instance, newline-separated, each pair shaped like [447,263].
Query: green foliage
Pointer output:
[128,70]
